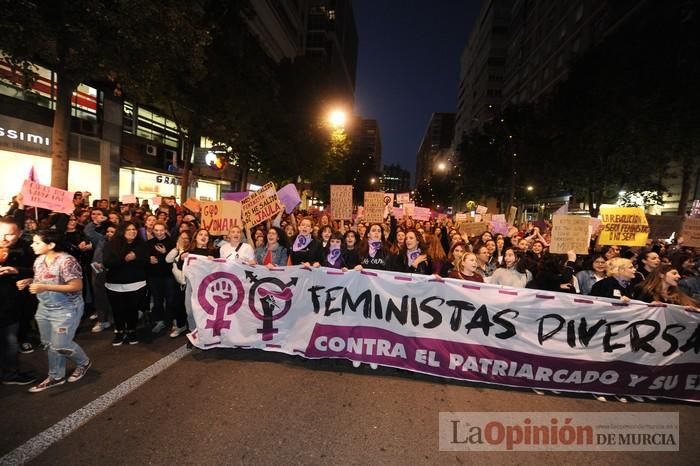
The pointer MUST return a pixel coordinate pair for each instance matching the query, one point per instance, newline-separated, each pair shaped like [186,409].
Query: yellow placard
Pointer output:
[623,226]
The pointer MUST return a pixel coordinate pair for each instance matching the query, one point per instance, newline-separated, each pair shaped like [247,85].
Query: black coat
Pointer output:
[313,252]
[611,288]
[20,256]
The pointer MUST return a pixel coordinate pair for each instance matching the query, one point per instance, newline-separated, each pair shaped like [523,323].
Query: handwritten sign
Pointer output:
[695,210]
[481,209]
[663,226]
[421,213]
[374,206]
[397,212]
[623,226]
[403,198]
[261,205]
[691,232]
[129,199]
[472,229]
[220,216]
[408,209]
[47,197]
[289,196]
[487,217]
[461,218]
[512,212]
[341,201]
[570,232]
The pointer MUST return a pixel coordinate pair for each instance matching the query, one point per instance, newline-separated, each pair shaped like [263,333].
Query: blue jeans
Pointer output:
[57,326]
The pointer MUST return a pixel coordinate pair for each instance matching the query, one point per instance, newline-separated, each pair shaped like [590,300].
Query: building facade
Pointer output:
[395,179]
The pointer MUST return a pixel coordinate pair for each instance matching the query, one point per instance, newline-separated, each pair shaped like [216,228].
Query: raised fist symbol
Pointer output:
[221,292]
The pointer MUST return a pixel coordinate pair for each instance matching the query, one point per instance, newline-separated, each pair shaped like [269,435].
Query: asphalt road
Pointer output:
[233,406]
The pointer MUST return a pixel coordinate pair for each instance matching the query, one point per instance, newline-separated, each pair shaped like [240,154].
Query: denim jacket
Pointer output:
[279,255]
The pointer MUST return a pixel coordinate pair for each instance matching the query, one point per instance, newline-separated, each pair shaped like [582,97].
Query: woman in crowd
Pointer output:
[333,256]
[374,250]
[146,231]
[102,306]
[305,249]
[466,268]
[413,257]
[325,236]
[593,272]
[57,283]
[661,287]
[125,258]
[457,249]
[436,255]
[351,257]
[555,275]
[235,249]
[511,272]
[274,253]
[647,262]
[620,273]
[182,245]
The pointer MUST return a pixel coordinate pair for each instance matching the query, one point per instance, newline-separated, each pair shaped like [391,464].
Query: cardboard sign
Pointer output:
[341,201]
[663,226]
[47,197]
[220,216]
[397,212]
[289,196]
[261,205]
[129,199]
[487,217]
[570,232]
[193,205]
[472,229]
[403,198]
[421,213]
[481,209]
[374,206]
[498,227]
[623,226]
[408,209]
[461,218]
[691,232]
[512,212]
[156,201]
[695,210]
[235,196]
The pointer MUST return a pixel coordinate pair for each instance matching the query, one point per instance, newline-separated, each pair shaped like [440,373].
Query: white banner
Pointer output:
[449,328]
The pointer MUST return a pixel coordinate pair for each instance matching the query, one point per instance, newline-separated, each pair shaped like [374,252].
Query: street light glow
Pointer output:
[337,118]
[530,188]
[372,180]
[441,166]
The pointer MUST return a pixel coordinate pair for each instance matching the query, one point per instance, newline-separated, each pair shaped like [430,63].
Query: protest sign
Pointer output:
[473,229]
[512,212]
[397,212]
[408,209]
[623,226]
[129,199]
[499,227]
[570,232]
[47,197]
[389,199]
[695,210]
[499,218]
[156,201]
[481,209]
[486,217]
[220,216]
[260,205]
[524,338]
[403,198]
[691,232]
[461,218]
[421,213]
[374,206]
[663,226]
[193,205]
[289,196]
[239,196]
[341,201]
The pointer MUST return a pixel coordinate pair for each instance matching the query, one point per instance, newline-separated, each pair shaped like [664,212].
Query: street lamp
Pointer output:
[530,188]
[372,180]
[337,118]
[441,166]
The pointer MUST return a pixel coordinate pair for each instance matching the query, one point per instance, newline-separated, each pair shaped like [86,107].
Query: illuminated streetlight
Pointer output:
[337,118]
[441,166]
[530,188]
[372,180]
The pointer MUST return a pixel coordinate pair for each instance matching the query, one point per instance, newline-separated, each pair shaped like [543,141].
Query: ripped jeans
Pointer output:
[57,326]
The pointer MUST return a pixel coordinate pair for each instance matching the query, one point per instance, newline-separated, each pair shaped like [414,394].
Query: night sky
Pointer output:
[408,67]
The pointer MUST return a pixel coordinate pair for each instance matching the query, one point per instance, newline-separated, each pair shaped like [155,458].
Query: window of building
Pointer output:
[150,125]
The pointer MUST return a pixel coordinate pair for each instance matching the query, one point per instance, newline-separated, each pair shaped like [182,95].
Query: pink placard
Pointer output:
[421,213]
[47,197]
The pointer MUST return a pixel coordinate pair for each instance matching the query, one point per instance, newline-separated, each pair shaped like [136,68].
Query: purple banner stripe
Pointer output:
[583,301]
[371,274]
[404,279]
[439,280]
[207,345]
[544,296]
[219,260]
[273,346]
[472,287]
[307,268]
[276,270]
[619,304]
[330,272]
[512,293]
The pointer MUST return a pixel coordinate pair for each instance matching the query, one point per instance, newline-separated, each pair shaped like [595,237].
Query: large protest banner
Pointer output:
[691,232]
[47,197]
[341,201]
[623,226]
[570,232]
[449,328]
[663,226]
[261,205]
[374,206]
[220,216]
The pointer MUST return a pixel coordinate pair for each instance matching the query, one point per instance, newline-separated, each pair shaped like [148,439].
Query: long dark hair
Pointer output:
[55,237]
[363,250]
[653,286]
[520,264]
[119,242]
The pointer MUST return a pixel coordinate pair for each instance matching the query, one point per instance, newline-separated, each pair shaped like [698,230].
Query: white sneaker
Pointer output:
[93,316]
[177,331]
[539,392]
[100,326]
[600,398]
[159,327]
[373,366]
[356,363]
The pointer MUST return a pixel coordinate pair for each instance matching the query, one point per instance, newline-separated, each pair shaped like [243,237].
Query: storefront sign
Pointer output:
[174,180]
[23,136]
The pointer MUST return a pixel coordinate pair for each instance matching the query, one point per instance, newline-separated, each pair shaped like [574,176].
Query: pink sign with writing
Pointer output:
[47,197]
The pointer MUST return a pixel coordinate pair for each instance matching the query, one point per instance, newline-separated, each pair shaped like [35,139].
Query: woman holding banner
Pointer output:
[349,249]
[374,250]
[483,257]
[661,287]
[274,253]
[235,249]
[465,268]
[618,284]
[512,271]
[413,257]
[305,249]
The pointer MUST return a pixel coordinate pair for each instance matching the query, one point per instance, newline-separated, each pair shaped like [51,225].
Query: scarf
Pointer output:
[374,246]
[301,242]
[333,256]
[412,255]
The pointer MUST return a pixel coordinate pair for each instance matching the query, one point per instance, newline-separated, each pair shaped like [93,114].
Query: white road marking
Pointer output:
[39,443]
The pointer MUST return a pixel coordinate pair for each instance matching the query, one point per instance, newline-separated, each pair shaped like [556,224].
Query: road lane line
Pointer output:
[39,443]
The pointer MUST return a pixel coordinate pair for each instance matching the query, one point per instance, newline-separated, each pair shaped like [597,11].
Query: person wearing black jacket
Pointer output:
[413,256]
[553,276]
[620,272]
[161,282]
[16,262]
[125,258]
[305,249]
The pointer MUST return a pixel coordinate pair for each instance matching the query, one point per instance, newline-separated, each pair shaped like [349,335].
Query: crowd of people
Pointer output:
[123,264]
